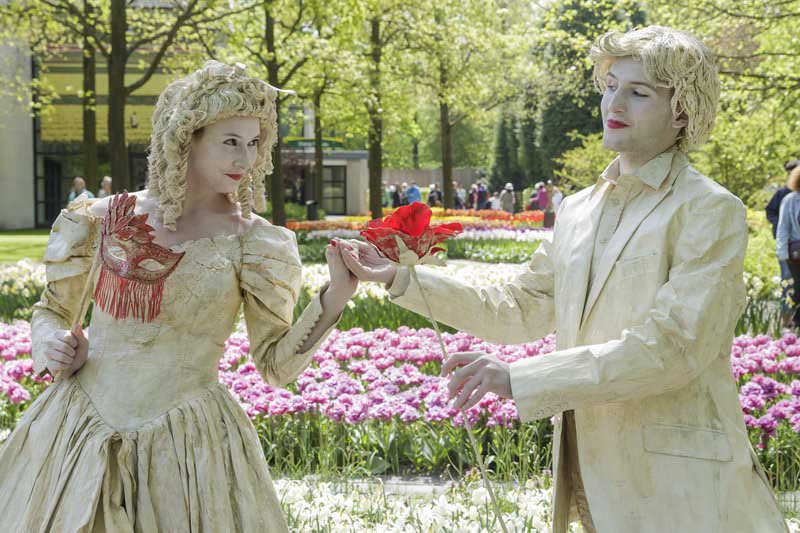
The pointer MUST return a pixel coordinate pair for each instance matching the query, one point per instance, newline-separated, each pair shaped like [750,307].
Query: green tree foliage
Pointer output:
[570,103]
[506,167]
[757,48]
[530,157]
[30,27]
[471,137]
[123,33]
[561,117]
[470,59]
[580,166]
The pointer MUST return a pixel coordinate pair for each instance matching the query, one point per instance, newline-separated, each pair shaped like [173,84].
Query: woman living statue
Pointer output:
[138,434]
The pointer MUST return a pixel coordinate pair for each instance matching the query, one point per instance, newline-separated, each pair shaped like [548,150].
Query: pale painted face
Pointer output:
[223,153]
[637,115]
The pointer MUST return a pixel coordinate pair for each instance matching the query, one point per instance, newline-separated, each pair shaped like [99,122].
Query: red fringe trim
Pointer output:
[121,297]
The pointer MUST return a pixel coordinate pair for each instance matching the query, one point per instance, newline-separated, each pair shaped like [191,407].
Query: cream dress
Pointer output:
[144,438]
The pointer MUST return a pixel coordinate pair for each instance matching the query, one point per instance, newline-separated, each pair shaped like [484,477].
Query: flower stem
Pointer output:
[473,442]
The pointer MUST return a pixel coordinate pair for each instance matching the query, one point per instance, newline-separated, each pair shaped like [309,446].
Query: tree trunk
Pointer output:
[447,143]
[89,100]
[275,188]
[118,149]
[374,162]
[415,147]
[318,148]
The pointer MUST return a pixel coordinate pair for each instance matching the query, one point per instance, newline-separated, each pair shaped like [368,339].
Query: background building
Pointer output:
[40,156]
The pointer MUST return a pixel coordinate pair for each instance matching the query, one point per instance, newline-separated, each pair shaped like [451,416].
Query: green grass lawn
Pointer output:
[22,244]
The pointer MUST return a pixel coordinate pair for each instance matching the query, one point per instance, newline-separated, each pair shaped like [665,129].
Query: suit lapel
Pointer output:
[581,244]
[639,208]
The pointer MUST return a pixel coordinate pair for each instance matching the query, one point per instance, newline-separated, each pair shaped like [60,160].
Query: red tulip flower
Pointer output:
[406,236]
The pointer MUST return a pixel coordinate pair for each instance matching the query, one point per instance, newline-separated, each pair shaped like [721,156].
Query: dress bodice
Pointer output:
[141,369]
[138,370]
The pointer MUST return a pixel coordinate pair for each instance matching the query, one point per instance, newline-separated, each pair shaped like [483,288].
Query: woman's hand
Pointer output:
[366,263]
[343,282]
[66,352]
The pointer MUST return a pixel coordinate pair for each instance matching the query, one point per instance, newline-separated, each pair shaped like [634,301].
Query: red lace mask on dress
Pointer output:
[134,269]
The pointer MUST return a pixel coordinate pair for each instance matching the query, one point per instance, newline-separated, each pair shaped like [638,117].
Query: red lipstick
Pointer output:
[236,177]
[615,124]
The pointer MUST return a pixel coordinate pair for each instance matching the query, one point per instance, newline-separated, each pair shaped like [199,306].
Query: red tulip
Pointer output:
[411,224]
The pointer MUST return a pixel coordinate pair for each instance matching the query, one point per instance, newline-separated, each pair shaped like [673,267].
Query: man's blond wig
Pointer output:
[672,59]
[215,92]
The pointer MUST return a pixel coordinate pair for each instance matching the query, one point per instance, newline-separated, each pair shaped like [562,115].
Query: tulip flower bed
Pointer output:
[532,217]
[486,251]
[373,402]
[21,285]
[500,219]
[473,233]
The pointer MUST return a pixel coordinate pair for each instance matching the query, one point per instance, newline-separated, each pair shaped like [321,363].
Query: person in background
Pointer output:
[788,231]
[432,198]
[538,199]
[413,194]
[386,201]
[494,202]
[435,198]
[404,194]
[773,212]
[459,195]
[508,198]
[105,187]
[554,197]
[774,205]
[78,188]
[472,196]
[483,196]
[440,195]
[541,197]
[554,194]
[397,199]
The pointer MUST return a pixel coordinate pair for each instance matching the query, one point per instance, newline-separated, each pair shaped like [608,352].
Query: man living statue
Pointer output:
[643,285]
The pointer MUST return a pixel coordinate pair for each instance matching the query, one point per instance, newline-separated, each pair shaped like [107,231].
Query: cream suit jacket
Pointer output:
[642,355]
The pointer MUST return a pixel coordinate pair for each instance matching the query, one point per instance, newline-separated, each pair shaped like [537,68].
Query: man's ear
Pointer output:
[680,119]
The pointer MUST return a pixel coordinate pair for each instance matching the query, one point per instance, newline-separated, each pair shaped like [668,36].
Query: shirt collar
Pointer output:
[653,173]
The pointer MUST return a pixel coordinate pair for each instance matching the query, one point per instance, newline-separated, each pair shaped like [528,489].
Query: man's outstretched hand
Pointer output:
[365,262]
[479,373]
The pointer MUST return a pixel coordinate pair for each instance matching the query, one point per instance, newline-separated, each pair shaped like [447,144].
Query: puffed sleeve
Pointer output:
[67,259]
[271,281]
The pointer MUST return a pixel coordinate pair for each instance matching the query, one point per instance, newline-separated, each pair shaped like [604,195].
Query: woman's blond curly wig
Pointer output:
[673,59]
[215,92]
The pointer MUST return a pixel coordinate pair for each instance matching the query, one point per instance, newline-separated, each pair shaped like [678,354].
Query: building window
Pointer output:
[334,190]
